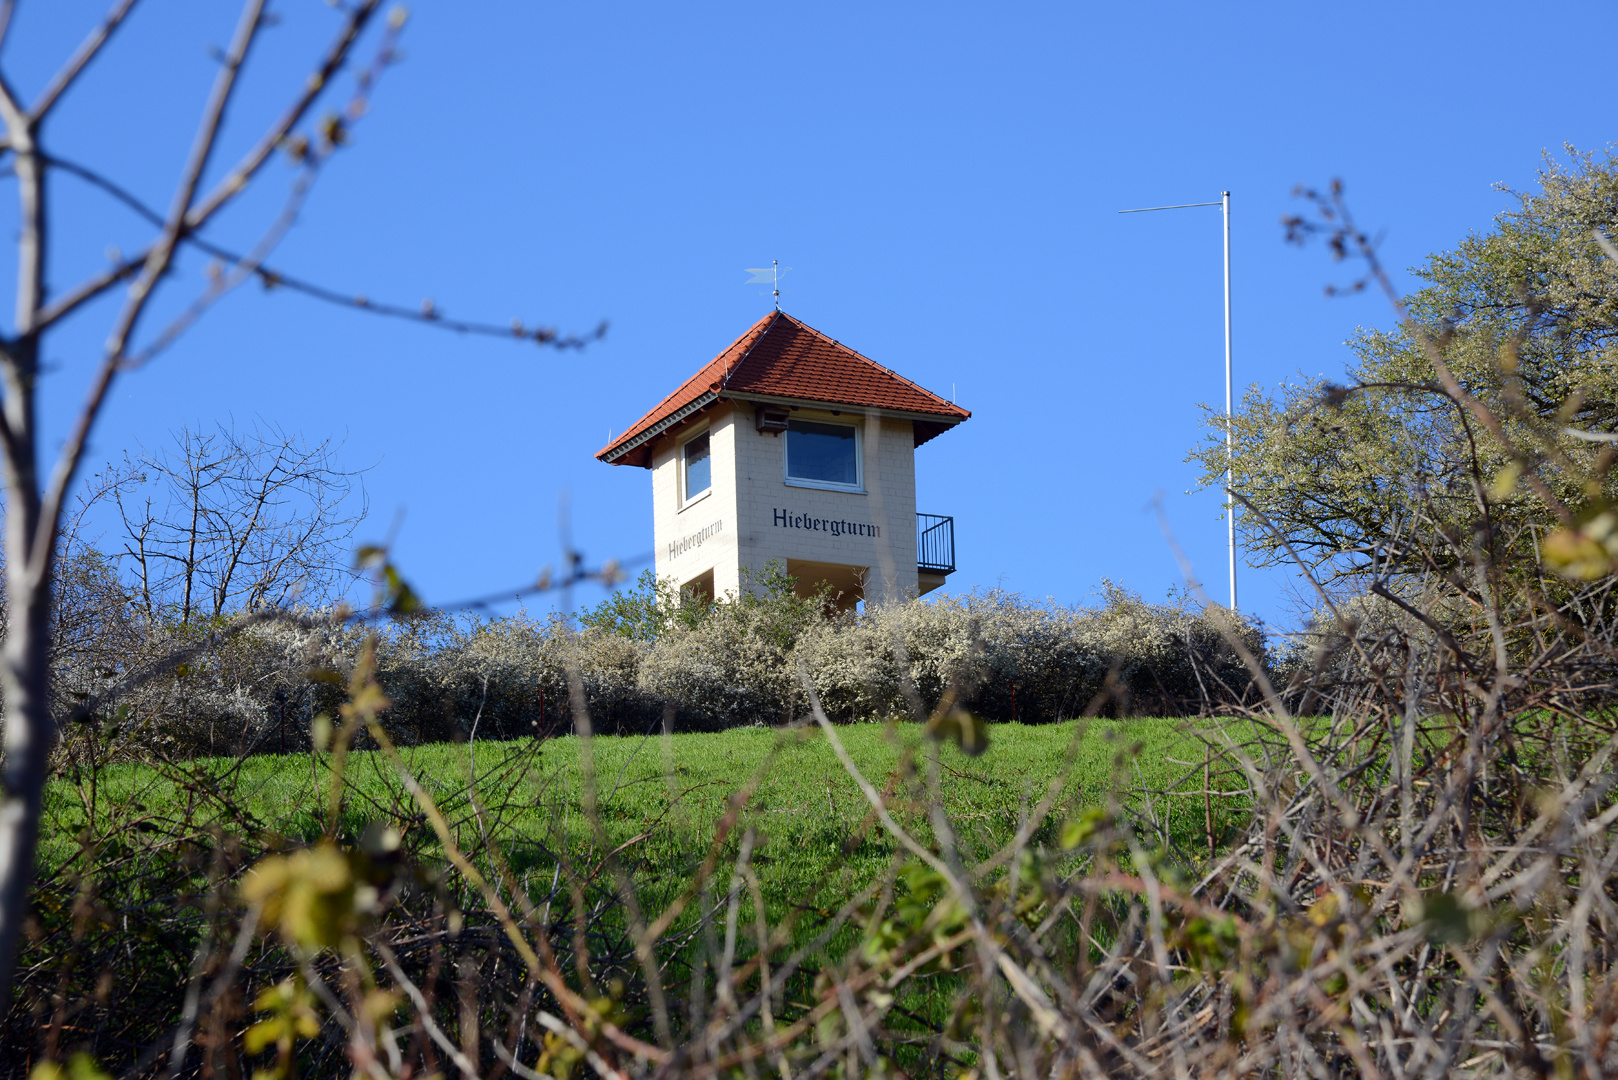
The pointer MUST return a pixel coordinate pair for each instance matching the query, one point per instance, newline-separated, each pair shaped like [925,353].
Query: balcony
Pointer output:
[935,544]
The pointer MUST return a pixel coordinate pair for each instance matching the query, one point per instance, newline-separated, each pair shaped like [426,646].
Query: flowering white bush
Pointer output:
[1033,662]
[723,665]
[148,689]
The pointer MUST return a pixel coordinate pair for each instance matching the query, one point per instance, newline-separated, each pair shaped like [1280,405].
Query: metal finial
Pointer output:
[769,275]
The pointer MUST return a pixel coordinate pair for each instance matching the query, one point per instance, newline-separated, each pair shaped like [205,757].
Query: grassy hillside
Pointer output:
[661,799]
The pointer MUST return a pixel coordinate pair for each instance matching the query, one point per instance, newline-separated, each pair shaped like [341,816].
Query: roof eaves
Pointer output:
[613,453]
[681,389]
[948,418]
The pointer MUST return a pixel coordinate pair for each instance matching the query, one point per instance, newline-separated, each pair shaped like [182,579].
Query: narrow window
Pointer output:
[698,467]
[823,454]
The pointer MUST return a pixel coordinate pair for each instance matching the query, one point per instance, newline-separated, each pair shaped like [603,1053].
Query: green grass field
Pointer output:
[664,797]
[660,803]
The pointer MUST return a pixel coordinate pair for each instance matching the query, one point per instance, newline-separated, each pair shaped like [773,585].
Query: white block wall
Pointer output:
[700,535]
[740,522]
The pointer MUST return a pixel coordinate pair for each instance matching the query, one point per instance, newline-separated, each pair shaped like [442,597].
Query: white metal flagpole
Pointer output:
[1230,478]
[1230,451]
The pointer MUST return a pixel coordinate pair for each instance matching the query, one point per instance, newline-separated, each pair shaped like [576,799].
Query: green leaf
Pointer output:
[1447,919]
[1081,828]
[968,732]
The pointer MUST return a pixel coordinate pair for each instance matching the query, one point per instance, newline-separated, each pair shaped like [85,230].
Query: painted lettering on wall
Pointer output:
[787,519]
[686,543]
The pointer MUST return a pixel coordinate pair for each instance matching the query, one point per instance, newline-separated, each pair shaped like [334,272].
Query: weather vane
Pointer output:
[768,275]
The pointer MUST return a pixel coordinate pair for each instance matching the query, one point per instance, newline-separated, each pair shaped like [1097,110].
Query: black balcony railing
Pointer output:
[935,544]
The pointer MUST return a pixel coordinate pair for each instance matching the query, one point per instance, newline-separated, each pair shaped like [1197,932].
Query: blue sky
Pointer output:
[944,180]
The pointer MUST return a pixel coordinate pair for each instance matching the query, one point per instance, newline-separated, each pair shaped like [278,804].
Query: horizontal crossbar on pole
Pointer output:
[1176,206]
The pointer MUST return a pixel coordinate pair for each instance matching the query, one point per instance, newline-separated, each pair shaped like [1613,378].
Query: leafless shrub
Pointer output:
[233,520]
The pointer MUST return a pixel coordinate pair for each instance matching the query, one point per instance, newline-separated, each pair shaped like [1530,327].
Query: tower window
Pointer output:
[697,465]
[823,455]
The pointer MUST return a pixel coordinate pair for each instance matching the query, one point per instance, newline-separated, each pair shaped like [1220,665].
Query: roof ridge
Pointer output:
[774,317]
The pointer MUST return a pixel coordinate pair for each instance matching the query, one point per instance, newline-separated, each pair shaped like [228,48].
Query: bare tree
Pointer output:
[231,520]
[37,488]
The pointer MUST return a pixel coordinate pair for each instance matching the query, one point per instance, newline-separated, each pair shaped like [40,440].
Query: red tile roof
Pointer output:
[780,357]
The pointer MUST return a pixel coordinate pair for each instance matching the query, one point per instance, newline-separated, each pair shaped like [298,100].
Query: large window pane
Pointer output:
[698,466]
[821,452]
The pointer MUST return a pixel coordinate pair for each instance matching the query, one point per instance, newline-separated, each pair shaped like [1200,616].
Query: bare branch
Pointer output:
[179,216]
[80,59]
[11,112]
[161,255]
[276,278]
[237,179]
[255,159]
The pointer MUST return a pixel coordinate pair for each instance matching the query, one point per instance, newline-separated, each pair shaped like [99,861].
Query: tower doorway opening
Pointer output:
[700,588]
[847,582]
